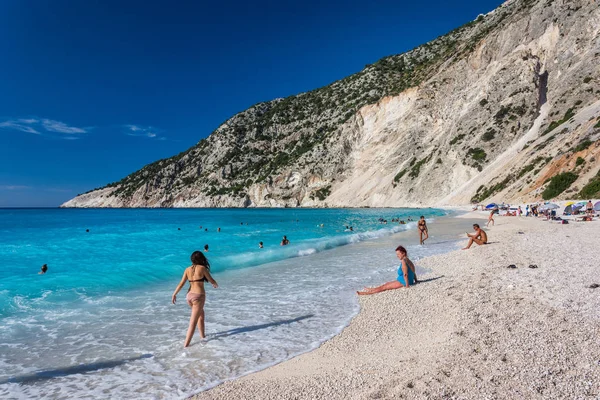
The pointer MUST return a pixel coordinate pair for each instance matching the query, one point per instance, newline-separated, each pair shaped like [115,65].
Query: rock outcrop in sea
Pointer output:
[506,107]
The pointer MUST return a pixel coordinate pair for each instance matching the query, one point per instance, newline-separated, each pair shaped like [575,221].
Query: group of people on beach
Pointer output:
[199,272]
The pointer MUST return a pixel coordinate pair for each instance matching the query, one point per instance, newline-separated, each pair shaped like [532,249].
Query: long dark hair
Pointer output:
[401,249]
[198,258]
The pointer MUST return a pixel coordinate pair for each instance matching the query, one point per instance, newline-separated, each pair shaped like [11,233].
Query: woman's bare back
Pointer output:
[196,275]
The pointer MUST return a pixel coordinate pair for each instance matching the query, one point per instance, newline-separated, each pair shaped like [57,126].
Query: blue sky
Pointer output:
[91,91]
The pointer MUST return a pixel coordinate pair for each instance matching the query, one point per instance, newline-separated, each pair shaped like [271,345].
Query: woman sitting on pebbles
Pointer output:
[406,275]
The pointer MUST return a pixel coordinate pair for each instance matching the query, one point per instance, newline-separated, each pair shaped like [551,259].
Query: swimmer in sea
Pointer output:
[284,241]
[206,248]
[43,269]
[196,274]
[422,225]
[260,245]
[406,275]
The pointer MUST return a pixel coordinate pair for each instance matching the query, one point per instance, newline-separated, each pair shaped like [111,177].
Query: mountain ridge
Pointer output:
[445,121]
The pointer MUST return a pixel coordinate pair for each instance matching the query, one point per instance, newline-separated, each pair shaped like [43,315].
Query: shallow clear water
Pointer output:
[100,321]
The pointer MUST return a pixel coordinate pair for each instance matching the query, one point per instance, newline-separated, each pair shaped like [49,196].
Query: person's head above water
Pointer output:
[401,252]
[198,258]
[205,247]
[44,268]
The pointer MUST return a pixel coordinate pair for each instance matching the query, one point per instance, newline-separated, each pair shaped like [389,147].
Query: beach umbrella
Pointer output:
[491,205]
[549,206]
[597,206]
[569,203]
[578,206]
[567,210]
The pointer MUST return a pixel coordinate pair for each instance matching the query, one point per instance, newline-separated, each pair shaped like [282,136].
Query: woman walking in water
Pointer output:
[422,225]
[197,274]
[406,275]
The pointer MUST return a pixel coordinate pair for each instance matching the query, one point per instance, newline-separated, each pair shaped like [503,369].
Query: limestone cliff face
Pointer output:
[490,111]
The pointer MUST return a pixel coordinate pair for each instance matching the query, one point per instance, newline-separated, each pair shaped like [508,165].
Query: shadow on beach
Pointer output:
[257,327]
[430,279]
[78,369]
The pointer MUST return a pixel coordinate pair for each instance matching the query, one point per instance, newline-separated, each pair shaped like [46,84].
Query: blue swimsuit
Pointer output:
[411,276]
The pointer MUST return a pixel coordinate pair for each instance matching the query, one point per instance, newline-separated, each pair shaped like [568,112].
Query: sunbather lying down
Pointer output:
[585,219]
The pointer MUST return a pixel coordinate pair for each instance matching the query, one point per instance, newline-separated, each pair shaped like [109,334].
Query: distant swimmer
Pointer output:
[218,229]
[284,241]
[205,229]
[260,245]
[479,237]
[406,275]
[351,229]
[422,225]
[178,229]
[196,274]
[43,269]
[205,248]
[87,230]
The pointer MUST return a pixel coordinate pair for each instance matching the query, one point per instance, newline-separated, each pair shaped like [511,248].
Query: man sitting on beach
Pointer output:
[479,237]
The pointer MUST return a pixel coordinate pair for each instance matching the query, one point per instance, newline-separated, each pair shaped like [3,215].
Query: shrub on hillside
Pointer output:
[559,184]
[592,189]
[477,154]
[488,135]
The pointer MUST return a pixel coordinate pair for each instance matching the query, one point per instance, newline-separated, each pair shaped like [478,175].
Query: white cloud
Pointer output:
[17,126]
[14,187]
[60,127]
[140,131]
[37,126]
[28,121]
[133,128]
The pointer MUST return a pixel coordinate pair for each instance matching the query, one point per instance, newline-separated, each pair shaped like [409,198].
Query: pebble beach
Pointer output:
[472,329]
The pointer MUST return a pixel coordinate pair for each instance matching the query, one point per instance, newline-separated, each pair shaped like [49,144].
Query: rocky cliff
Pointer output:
[506,107]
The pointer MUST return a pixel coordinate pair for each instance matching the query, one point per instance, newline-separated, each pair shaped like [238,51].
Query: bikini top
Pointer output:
[197,280]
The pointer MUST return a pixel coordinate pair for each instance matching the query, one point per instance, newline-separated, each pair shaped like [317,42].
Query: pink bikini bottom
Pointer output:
[191,297]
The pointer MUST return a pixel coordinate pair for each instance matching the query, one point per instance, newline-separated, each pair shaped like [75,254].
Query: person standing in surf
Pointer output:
[196,274]
[422,225]
[491,218]
[406,275]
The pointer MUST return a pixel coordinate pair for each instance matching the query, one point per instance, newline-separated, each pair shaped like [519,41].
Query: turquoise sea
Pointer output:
[100,323]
